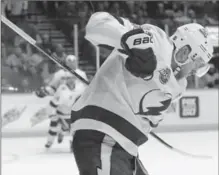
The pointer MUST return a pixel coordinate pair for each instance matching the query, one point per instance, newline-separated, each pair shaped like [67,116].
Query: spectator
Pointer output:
[30,30]
[3,7]
[170,21]
[141,13]
[192,15]
[10,78]
[160,12]
[209,7]
[144,8]
[16,61]
[33,62]
[177,8]
[131,7]
[208,21]
[72,8]
[17,8]
[106,5]
[50,7]
[100,6]
[47,44]
[83,13]
[134,18]
[115,9]
[178,14]
[59,52]
[211,79]
[141,20]
[182,19]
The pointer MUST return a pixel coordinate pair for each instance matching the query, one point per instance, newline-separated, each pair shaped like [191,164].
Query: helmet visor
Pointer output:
[202,71]
[200,67]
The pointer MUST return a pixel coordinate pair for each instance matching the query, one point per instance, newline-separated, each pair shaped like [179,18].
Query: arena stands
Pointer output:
[26,69]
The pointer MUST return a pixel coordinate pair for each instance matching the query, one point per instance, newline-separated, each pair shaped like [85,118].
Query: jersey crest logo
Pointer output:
[154,102]
[164,75]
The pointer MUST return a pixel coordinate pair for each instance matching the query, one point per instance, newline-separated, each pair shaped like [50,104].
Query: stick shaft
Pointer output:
[178,150]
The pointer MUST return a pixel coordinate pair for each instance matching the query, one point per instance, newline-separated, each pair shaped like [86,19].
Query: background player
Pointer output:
[65,89]
[128,96]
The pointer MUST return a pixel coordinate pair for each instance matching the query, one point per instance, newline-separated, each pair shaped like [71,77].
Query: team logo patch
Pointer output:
[164,75]
[152,105]
[154,102]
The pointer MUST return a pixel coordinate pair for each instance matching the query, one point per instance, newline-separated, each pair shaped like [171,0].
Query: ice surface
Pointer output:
[25,156]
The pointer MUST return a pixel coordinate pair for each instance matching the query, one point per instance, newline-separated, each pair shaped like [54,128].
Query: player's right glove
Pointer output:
[141,61]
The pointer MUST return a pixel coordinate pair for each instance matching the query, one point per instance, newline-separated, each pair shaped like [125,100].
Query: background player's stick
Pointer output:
[33,43]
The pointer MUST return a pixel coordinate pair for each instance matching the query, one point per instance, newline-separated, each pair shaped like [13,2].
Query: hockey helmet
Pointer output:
[195,39]
[71,61]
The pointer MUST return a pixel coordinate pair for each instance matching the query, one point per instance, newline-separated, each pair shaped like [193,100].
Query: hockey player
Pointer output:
[65,89]
[61,103]
[131,91]
[61,76]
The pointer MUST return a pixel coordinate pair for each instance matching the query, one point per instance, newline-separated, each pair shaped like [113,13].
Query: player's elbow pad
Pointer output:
[141,62]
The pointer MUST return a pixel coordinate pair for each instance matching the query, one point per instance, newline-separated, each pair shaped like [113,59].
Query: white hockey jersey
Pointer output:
[62,76]
[63,99]
[63,96]
[117,103]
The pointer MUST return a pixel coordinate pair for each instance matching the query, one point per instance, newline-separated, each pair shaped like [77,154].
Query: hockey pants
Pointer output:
[56,127]
[98,154]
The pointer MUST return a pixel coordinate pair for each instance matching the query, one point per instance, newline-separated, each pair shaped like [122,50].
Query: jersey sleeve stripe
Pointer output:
[52,133]
[53,104]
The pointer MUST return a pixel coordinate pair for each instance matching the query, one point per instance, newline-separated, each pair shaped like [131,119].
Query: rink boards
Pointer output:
[196,110]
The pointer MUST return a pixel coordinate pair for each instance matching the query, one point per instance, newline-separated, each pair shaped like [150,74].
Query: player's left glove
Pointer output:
[141,61]
[41,92]
[44,91]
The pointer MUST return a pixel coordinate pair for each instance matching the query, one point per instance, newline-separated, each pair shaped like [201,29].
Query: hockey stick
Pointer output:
[33,43]
[179,151]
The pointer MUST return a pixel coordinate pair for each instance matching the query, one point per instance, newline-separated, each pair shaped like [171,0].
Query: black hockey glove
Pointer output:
[140,62]
[41,93]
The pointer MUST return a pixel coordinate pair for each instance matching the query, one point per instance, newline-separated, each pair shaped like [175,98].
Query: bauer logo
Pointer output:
[164,75]
[189,107]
